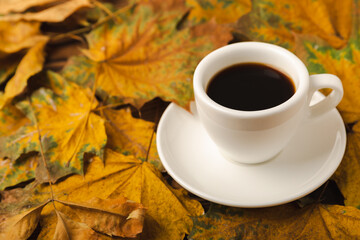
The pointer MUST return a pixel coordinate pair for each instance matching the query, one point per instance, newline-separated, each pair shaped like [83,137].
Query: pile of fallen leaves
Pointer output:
[83,84]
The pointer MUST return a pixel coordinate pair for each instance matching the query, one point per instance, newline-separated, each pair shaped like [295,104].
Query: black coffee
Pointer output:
[250,87]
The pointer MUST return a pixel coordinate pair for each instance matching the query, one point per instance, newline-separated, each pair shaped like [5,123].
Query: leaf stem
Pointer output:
[42,152]
[153,132]
[87,29]
[106,10]
[109,106]
[150,143]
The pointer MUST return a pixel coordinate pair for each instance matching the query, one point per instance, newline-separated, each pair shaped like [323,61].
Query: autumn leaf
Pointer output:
[14,172]
[8,66]
[67,126]
[11,119]
[315,221]
[223,11]
[29,65]
[16,36]
[278,21]
[129,135]
[22,225]
[9,6]
[160,5]
[55,13]
[168,210]
[344,63]
[145,56]
[69,229]
[115,217]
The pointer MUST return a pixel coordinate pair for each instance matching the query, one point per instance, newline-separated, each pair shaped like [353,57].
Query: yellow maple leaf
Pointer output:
[131,136]
[168,210]
[66,124]
[146,56]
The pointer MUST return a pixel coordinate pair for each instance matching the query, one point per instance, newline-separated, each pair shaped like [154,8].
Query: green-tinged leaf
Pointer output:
[67,126]
[12,173]
[280,21]
[345,64]
[11,119]
[146,56]
[223,11]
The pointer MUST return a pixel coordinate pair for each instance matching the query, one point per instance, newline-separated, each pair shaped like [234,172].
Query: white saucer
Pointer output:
[191,159]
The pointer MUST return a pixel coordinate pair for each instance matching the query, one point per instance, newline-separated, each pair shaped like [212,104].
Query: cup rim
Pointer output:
[301,89]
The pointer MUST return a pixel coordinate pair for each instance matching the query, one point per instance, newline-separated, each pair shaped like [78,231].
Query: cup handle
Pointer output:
[319,81]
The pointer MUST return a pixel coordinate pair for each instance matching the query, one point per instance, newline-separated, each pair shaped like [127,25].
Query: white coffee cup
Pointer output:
[257,136]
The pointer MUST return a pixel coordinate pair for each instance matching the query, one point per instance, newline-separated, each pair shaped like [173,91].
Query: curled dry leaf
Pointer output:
[67,126]
[55,13]
[115,217]
[130,135]
[283,222]
[168,210]
[29,65]
[223,11]
[67,229]
[146,56]
[14,38]
[22,225]
[8,6]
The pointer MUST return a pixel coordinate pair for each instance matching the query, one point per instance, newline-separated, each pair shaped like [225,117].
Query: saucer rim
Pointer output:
[321,179]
